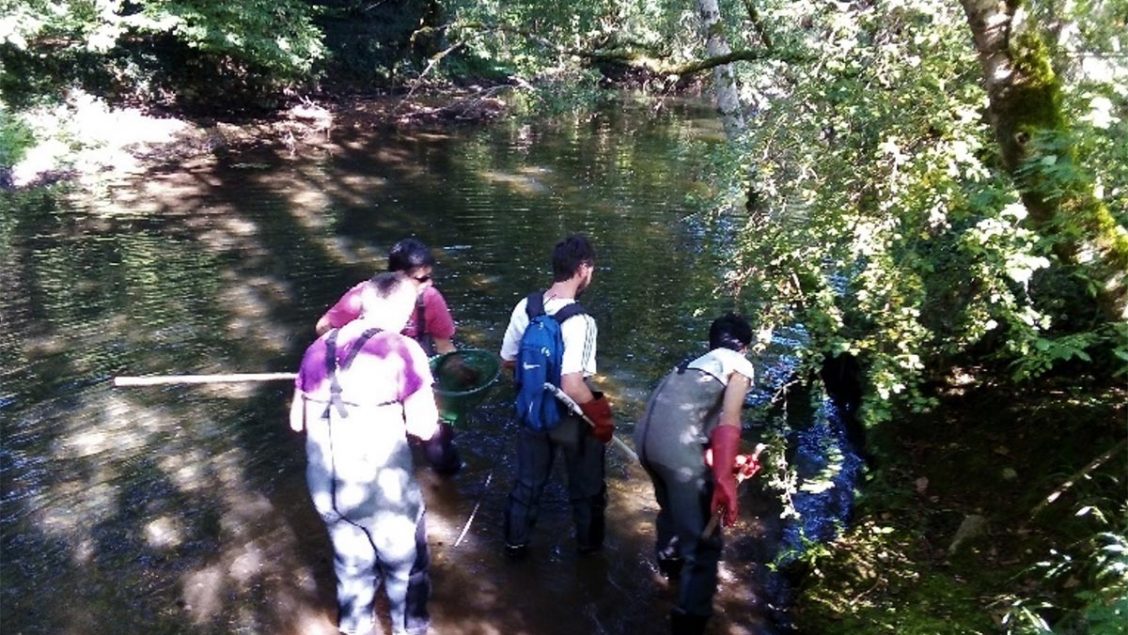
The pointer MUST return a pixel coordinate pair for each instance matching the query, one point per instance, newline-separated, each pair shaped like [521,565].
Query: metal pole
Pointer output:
[575,408]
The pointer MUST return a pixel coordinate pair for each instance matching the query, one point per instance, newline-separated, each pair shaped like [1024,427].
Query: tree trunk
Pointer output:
[724,77]
[1030,126]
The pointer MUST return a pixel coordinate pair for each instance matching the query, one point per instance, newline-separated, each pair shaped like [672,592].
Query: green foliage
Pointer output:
[276,36]
[880,213]
[15,139]
[996,453]
[155,48]
[1095,576]
[369,43]
[536,39]
[875,580]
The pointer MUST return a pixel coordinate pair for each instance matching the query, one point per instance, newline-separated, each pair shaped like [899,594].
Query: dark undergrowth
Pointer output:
[956,531]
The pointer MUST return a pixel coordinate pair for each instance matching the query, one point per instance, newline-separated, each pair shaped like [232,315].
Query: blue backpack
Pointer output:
[538,363]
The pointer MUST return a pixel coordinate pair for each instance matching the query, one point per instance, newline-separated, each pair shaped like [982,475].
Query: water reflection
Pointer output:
[183,509]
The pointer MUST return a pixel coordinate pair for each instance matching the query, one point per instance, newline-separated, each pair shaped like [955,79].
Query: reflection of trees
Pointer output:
[175,509]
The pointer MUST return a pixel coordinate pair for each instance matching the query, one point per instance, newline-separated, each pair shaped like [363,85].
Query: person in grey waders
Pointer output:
[695,411]
[361,389]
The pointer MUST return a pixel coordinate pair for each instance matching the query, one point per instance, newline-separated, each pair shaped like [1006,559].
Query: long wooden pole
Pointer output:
[230,378]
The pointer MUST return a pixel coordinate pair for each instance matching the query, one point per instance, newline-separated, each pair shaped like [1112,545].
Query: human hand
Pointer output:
[746,466]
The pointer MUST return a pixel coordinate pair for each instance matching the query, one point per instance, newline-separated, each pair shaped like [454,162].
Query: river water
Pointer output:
[183,509]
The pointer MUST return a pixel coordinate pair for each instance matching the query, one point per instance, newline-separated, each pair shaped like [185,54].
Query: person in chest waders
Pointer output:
[360,391]
[430,324]
[694,409]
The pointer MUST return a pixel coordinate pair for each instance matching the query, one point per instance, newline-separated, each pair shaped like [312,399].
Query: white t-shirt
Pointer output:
[722,363]
[579,333]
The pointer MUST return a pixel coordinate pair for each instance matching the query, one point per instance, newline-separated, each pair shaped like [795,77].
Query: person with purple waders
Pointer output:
[361,390]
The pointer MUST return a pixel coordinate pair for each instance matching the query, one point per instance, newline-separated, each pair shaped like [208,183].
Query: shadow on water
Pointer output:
[184,509]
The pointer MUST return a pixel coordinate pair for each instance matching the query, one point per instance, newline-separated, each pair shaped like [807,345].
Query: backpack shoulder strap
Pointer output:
[420,318]
[568,311]
[534,304]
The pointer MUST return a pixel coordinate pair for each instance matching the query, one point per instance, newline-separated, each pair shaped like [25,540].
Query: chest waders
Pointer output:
[378,540]
[332,369]
[671,440]
[687,398]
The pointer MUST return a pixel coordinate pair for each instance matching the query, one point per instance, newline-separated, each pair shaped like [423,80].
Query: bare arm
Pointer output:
[575,387]
[441,345]
[297,412]
[323,325]
[420,414]
[733,401]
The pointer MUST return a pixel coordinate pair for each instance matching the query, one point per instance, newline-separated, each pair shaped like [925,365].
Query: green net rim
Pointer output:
[436,361]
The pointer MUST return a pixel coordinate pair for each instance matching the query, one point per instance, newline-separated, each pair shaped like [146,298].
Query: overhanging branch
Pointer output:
[639,57]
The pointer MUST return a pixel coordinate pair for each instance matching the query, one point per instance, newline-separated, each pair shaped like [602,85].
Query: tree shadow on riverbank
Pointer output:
[972,497]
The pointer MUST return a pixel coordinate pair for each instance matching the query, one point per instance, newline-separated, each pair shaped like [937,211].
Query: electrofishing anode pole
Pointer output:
[576,410]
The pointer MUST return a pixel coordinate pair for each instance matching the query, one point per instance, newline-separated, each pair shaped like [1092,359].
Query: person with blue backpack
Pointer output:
[550,344]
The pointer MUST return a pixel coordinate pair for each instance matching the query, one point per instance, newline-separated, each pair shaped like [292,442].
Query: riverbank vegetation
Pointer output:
[937,191]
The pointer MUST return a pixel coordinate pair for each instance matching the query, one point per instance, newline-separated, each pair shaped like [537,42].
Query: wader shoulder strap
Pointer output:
[332,368]
[420,318]
[421,335]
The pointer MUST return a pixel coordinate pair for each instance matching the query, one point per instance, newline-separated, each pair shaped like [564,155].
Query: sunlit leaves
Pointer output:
[279,36]
[275,40]
[909,224]
[1097,570]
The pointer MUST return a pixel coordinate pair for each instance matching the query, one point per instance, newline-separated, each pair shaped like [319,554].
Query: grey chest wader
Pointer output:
[332,369]
[641,443]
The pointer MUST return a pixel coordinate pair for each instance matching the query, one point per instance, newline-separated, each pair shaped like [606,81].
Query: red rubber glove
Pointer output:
[725,442]
[599,411]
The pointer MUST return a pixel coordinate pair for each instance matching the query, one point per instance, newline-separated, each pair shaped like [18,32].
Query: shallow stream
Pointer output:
[183,509]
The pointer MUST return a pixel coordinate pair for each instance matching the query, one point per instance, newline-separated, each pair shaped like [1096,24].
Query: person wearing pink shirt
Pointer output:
[430,324]
[360,391]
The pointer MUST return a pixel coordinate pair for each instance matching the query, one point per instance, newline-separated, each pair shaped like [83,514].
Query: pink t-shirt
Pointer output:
[388,369]
[438,322]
